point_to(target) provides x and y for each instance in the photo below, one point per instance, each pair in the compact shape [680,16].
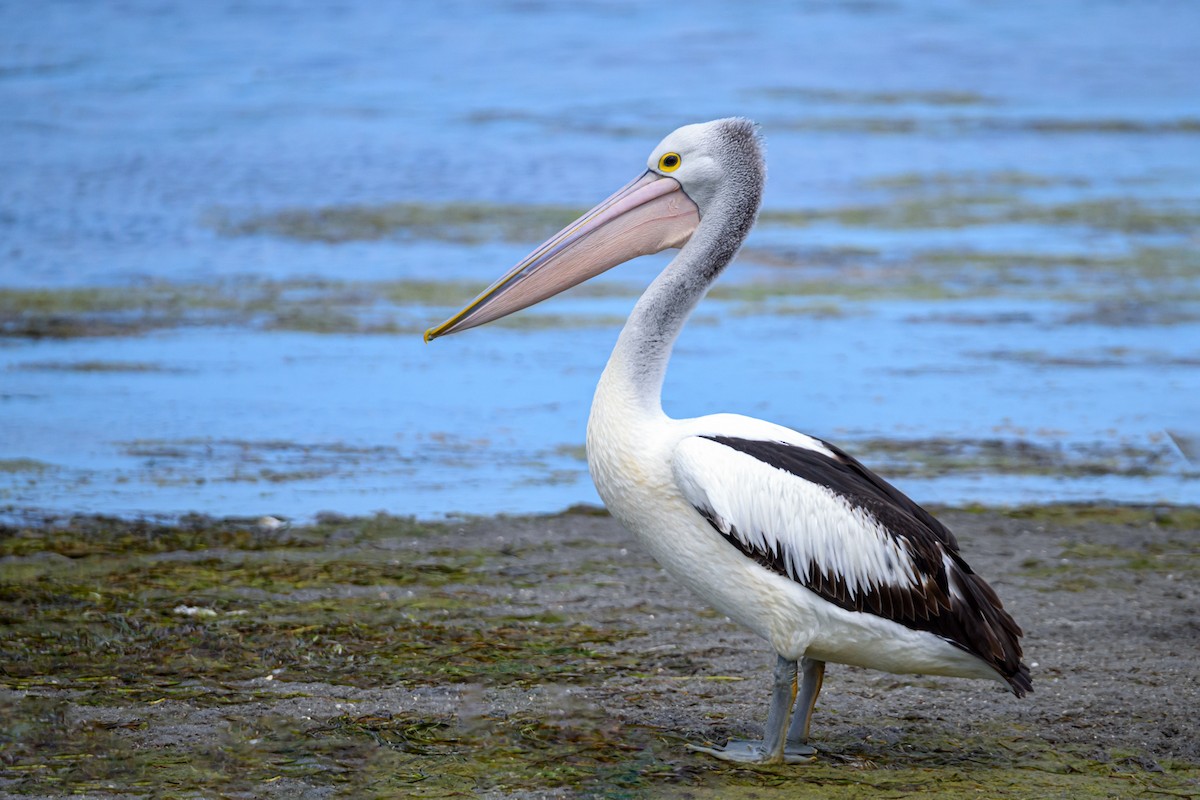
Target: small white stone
[195,611]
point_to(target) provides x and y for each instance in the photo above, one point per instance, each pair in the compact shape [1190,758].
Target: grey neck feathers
[645,343]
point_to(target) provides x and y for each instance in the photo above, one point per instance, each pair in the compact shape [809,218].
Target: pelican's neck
[638,364]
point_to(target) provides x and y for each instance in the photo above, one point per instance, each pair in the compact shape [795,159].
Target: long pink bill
[650,214]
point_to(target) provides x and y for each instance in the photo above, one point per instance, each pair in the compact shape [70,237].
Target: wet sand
[550,657]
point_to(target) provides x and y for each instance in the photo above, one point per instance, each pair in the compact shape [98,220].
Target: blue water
[125,130]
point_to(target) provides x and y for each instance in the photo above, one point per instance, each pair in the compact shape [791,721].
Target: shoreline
[13,516]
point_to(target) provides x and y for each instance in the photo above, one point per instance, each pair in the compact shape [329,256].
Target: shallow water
[976,266]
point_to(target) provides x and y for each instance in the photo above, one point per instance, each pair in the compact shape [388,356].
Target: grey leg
[812,674]
[771,749]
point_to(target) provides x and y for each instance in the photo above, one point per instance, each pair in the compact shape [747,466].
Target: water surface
[223,226]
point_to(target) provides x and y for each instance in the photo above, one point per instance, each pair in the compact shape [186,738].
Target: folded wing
[806,510]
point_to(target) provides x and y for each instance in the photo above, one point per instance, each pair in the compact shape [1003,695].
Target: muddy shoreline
[550,657]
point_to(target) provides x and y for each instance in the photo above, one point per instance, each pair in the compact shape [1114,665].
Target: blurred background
[224,226]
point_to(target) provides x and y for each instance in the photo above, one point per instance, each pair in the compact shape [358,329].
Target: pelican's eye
[669,162]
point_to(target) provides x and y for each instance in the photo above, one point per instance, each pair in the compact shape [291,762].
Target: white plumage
[772,510]
[780,531]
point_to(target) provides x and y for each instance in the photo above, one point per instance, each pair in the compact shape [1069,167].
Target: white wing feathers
[802,524]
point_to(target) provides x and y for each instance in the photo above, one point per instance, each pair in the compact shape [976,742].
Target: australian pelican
[784,533]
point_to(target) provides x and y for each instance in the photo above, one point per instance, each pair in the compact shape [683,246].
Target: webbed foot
[746,751]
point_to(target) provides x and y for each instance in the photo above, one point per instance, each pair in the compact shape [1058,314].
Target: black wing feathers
[971,618]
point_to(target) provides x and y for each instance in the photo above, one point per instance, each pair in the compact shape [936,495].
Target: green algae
[963,210]
[577,750]
[396,308]
[1101,357]
[1116,125]
[461,223]
[933,457]
[1081,566]
[153,604]
[339,603]
[30,465]
[946,97]
[80,300]
[1143,262]
[814,310]
[958,181]
[792,256]
[952,205]
[1123,215]
[540,321]
[1167,517]
[153,655]
[961,116]
[110,311]
[1148,285]
[95,366]
[580,752]
[188,460]
[48,753]
[456,293]
[361,756]
[908,287]
[575,452]
[307,320]
[77,537]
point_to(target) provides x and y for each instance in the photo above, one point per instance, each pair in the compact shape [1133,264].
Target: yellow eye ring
[669,162]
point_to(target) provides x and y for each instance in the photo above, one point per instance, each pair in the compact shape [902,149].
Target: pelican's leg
[812,673]
[771,749]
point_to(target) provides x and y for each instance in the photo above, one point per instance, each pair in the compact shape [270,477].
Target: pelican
[782,532]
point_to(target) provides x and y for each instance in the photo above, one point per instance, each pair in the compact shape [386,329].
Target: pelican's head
[657,210]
